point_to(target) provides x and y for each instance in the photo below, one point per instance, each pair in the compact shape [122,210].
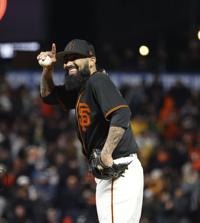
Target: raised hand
[47,58]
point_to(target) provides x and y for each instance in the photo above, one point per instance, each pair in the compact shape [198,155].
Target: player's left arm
[115,110]
[118,124]
[114,136]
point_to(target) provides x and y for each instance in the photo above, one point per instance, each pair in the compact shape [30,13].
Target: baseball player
[102,118]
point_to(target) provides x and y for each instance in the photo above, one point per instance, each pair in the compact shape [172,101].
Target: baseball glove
[100,171]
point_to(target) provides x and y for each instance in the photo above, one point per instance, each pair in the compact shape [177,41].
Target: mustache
[72,66]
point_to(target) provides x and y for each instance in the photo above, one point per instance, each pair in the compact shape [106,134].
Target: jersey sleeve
[121,118]
[107,95]
[59,96]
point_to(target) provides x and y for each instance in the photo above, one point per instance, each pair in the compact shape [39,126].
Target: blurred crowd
[167,129]
[174,56]
[44,177]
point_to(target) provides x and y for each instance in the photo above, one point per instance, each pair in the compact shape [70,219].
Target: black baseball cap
[77,46]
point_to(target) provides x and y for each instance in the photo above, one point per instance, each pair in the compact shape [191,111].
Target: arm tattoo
[114,136]
[46,83]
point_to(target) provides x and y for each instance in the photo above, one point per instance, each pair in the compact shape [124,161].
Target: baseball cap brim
[60,55]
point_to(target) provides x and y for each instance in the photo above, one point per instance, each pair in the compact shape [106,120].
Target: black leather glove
[100,171]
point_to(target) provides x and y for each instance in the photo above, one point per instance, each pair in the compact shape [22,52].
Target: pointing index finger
[53,49]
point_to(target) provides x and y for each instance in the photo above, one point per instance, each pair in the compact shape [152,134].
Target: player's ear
[92,61]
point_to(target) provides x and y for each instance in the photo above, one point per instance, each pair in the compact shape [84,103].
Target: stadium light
[6,51]
[144,50]
[198,34]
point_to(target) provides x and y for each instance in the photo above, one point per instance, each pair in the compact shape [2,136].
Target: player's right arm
[51,93]
[46,82]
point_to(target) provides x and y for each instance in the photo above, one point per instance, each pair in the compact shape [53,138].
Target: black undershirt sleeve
[59,96]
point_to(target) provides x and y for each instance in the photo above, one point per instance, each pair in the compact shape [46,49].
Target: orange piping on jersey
[112,206]
[77,117]
[114,109]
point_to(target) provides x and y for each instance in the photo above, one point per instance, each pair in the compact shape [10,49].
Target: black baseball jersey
[94,106]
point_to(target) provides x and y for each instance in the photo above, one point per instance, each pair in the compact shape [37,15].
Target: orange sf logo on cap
[3,6]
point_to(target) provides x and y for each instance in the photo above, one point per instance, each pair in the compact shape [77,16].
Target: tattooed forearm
[114,136]
[46,83]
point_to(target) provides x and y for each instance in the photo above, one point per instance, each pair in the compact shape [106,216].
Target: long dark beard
[76,82]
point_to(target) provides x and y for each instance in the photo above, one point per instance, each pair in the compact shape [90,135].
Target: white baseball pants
[120,201]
